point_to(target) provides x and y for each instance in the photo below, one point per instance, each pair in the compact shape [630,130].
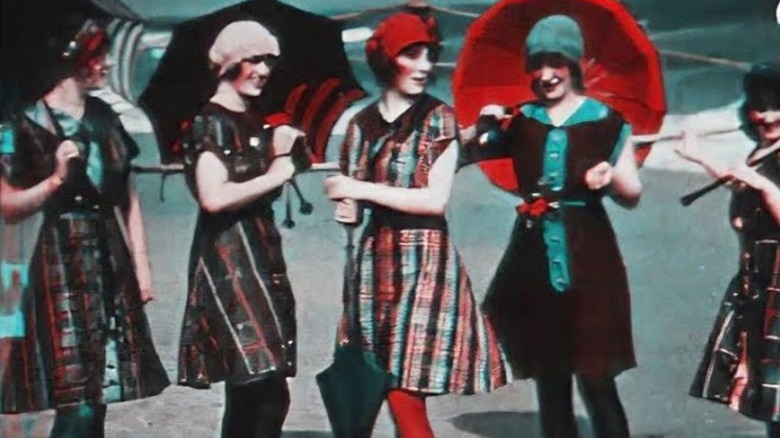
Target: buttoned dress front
[559,298]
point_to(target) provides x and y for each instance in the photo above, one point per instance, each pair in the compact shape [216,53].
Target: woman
[239,323]
[417,312]
[741,364]
[560,298]
[88,341]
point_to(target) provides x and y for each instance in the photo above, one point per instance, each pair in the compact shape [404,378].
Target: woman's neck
[560,110]
[68,96]
[394,103]
[228,97]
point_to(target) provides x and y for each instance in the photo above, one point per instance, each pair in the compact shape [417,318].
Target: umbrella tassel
[304,206]
[288,220]
[163,178]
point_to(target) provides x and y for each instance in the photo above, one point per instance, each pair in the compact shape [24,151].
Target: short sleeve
[199,136]
[625,133]
[352,158]
[444,129]
[20,165]
[131,147]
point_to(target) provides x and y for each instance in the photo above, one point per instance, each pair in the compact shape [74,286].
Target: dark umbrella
[313,80]
[34,35]
[621,68]
[354,386]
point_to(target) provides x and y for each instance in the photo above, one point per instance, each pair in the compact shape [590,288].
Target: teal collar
[590,110]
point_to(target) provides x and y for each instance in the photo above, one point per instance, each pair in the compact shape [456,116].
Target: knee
[597,386]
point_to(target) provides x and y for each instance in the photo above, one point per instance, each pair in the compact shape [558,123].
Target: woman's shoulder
[98,110]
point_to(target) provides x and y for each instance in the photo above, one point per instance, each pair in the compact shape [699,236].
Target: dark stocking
[556,411]
[256,410]
[604,408]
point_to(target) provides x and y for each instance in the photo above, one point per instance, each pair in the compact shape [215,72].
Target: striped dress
[239,322]
[87,338]
[416,308]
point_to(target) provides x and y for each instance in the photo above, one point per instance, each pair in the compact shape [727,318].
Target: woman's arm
[17,204]
[485,140]
[626,188]
[137,234]
[217,194]
[770,192]
[431,200]
[690,151]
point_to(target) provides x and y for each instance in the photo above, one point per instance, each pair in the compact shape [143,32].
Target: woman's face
[253,74]
[414,68]
[767,124]
[551,78]
[95,74]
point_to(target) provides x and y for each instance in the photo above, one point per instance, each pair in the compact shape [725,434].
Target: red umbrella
[621,65]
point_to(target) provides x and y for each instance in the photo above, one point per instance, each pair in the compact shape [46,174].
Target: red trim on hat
[89,47]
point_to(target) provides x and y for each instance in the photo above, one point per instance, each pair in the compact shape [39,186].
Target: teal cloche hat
[558,34]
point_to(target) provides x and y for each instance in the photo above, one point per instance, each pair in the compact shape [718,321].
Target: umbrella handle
[288,220]
[690,198]
[350,297]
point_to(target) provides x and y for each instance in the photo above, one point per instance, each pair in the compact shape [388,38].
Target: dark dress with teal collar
[559,298]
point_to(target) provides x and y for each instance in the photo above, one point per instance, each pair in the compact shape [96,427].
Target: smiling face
[253,74]
[767,124]
[552,78]
[414,65]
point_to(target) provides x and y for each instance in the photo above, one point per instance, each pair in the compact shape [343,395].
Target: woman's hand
[750,178]
[145,287]
[66,151]
[599,176]
[341,187]
[346,211]
[284,137]
[690,149]
[284,166]
[492,110]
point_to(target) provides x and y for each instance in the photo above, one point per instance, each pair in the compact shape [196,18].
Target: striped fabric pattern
[239,321]
[417,310]
[83,291]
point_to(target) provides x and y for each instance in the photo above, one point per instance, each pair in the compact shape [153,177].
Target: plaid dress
[740,366]
[239,322]
[87,337]
[416,308]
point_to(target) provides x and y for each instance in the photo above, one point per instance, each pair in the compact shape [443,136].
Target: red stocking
[411,416]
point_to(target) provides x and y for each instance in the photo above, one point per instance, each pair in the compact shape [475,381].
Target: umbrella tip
[356,35]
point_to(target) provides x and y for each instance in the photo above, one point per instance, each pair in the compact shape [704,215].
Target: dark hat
[556,34]
[42,47]
[762,86]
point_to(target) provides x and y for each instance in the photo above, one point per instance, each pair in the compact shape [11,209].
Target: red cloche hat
[399,31]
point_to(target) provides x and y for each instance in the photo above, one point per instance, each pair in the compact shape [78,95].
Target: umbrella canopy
[34,35]
[621,66]
[313,80]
